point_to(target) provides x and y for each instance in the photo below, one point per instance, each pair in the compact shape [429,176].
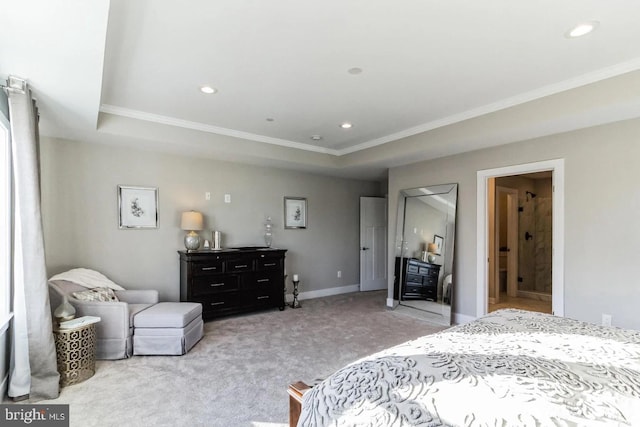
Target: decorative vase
[64,311]
[192,241]
[268,234]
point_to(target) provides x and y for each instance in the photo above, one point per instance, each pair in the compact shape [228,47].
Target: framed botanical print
[295,212]
[439,241]
[137,207]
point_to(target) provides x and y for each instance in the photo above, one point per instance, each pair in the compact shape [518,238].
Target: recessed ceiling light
[582,29]
[208,89]
[354,70]
[270,119]
[316,137]
[346,125]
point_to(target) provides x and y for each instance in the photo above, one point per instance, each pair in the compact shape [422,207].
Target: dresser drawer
[429,271]
[263,280]
[266,262]
[266,298]
[413,290]
[214,284]
[215,305]
[204,268]
[414,279]
[238,265]
[412,268]
[430,281]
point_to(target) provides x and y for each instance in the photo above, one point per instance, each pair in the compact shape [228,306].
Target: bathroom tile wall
[543,244]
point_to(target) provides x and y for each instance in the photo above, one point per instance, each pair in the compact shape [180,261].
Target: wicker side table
[75,353]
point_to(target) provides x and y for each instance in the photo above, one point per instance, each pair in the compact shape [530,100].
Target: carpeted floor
[238,374]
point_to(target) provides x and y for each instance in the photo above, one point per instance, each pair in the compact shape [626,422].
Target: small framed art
[137,207]
[439,241]
[295,212]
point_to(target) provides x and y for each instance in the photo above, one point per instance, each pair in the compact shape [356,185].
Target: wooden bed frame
[296,391]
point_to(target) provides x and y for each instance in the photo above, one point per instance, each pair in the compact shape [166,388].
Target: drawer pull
[215,285]
[271,264]
[264,297]
[241,266]
[209,268]
[262,280]
[218,303]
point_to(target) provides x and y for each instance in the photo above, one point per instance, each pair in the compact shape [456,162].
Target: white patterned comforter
[509,368]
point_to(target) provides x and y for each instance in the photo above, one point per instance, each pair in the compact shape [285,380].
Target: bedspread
[509,368]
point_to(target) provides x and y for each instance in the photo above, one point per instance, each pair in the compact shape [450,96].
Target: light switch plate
[227,198]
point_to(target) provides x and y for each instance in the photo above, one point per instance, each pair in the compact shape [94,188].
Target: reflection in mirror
[424,250]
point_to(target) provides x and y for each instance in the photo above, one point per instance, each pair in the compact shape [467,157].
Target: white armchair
[115,330]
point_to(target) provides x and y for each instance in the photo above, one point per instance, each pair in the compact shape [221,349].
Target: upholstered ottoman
[167,328]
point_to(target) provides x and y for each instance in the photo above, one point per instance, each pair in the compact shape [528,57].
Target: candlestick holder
[295,303]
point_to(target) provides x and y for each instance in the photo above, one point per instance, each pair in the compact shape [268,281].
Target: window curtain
[32,370]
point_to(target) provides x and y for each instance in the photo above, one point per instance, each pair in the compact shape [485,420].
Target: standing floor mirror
[424,251]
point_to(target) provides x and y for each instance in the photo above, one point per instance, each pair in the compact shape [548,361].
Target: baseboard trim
[325,292]
[459,319]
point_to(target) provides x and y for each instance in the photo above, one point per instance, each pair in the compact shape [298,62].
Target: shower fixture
[530,195]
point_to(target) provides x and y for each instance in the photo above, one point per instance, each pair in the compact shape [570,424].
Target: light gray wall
[421,222]
[79,202]
[602,210]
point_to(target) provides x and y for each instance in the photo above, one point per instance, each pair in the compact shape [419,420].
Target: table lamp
[432,248]
[191,222]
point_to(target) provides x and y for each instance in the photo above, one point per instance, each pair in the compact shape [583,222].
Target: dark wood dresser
[419,279]
[231,281]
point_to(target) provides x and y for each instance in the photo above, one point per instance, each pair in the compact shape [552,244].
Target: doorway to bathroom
[486,260]
[521,245]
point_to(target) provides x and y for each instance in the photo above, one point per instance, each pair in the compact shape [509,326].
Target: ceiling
[130,72]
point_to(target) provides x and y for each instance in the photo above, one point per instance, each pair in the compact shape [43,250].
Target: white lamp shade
[191,221]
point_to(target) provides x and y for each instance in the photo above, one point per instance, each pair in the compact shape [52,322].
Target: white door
[373,243]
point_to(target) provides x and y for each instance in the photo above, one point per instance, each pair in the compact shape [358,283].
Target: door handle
[365,249]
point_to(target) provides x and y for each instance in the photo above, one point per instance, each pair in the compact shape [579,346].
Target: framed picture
[295,212]
[137,207]
[439,241]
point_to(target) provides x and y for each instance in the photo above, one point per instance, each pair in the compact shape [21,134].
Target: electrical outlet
[207,196]
[339,274]
[606,320]
[227,198]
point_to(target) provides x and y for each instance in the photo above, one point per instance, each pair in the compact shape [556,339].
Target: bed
[508,368]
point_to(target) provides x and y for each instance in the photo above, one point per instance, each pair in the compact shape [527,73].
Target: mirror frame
[448,194]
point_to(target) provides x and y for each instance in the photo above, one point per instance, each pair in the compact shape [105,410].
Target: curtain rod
[15,83]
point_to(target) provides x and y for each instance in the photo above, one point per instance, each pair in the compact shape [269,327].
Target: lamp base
[192,241]
[431,258]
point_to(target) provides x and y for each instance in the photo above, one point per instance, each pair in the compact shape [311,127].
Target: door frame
[556,167]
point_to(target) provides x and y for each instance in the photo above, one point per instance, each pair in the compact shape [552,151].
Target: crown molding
[171,121]
[583,80]
[513,101]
